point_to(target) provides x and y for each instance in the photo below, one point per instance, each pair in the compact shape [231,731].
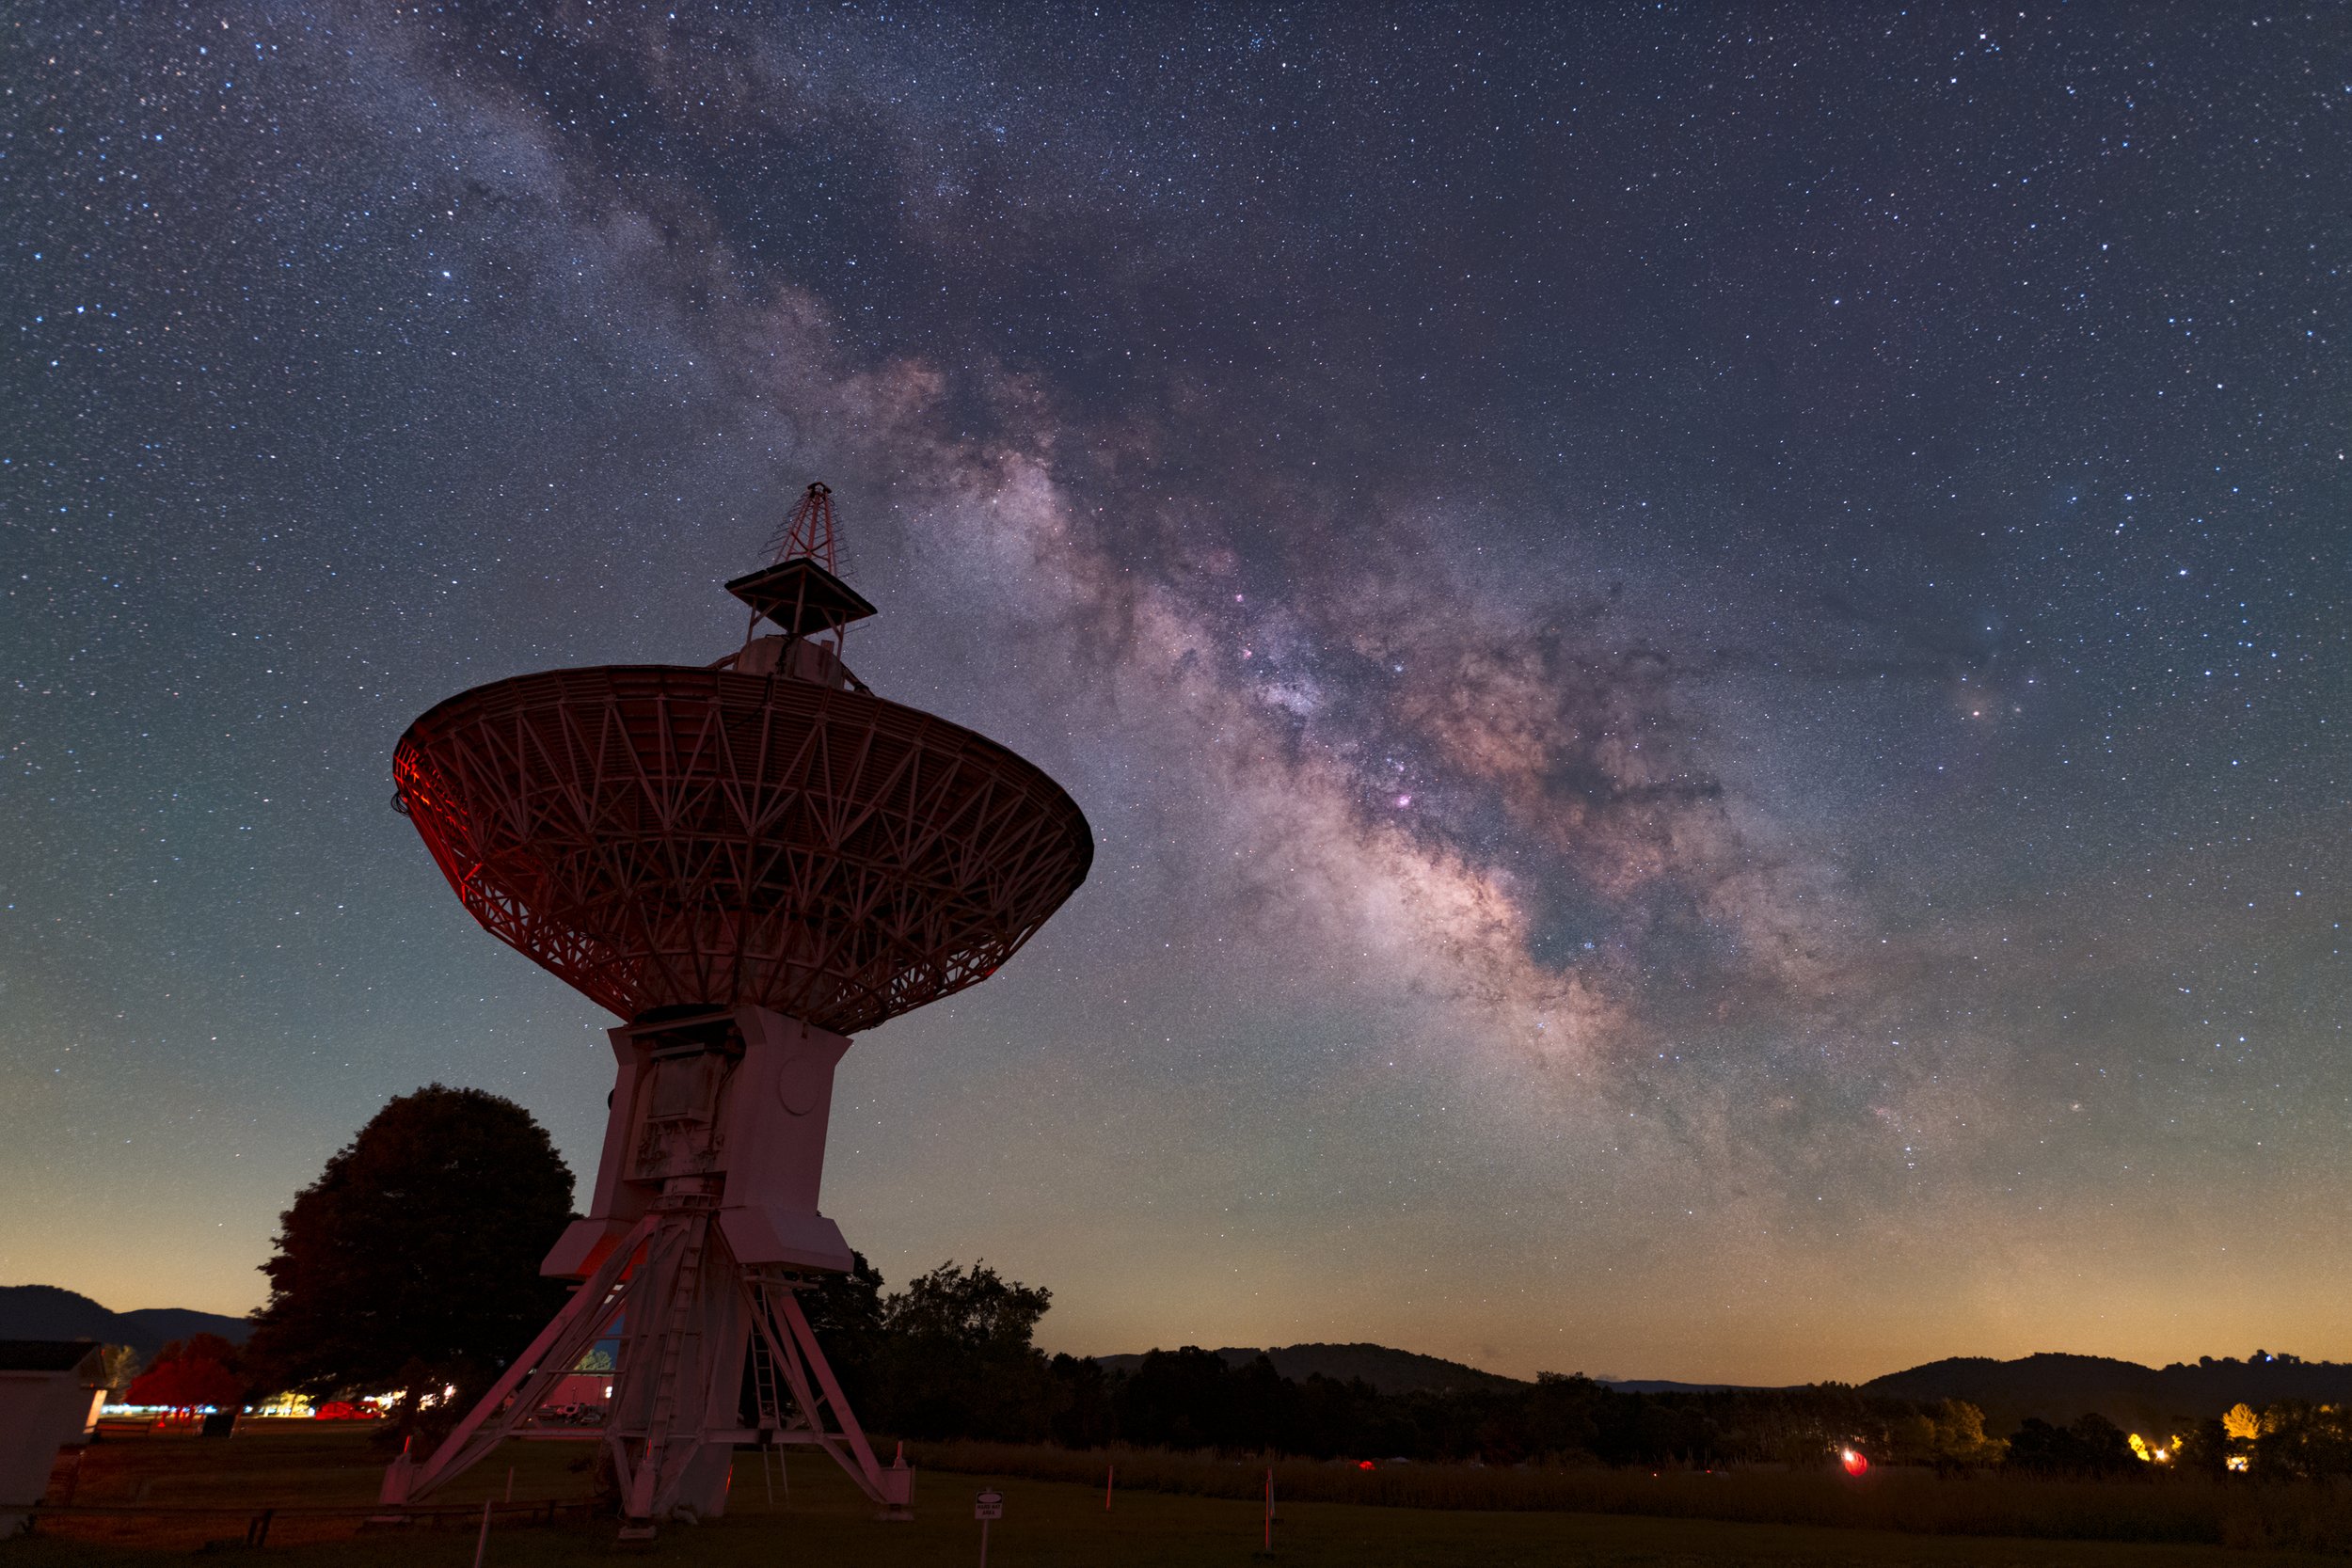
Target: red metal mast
[807,535]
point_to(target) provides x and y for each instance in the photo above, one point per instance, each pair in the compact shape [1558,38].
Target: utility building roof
[47,1355]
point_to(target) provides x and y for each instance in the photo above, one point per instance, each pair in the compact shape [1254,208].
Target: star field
[1708,651]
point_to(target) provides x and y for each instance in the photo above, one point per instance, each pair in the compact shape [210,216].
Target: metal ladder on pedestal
[767,1402]
[677,1330]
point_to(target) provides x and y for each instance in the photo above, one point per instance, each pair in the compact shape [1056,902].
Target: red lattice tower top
[807,535]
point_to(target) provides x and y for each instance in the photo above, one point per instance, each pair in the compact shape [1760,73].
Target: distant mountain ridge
[2139,1399]
[1392,1372]
[51,1312]
[2057,1387]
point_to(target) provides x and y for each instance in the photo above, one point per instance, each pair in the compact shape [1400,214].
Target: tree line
[952,1356]
[412,1264]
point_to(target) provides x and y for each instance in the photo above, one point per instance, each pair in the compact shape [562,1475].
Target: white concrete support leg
[816,1391]
[533,1375]
[703,1227]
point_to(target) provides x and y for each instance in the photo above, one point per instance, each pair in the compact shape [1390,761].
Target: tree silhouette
[1174,1398]
[2092,1446]
[413,1261]
[845,1311]
[197,1371]
[958,1358]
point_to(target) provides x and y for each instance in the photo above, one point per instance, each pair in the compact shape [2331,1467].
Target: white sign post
[987,1506]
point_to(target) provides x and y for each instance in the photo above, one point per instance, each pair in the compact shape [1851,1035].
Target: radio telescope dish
[662,837]
[748,861]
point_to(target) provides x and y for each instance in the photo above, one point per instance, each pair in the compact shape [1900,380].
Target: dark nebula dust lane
[1707,653]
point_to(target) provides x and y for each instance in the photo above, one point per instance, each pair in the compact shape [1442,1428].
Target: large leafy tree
[413,1261]
[956,1358]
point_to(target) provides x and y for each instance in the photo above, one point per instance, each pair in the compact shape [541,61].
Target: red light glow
[1853,1462]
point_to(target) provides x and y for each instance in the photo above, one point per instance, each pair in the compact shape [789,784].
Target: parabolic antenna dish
[662,837]
[748,861]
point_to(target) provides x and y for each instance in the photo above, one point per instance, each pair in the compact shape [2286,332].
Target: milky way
[1707,657]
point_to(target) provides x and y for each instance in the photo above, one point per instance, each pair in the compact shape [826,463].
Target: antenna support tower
[748,861]
[808,533]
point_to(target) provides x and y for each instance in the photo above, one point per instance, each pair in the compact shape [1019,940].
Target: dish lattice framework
[661,836]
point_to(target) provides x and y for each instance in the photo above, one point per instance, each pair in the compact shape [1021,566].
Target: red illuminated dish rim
[661,836]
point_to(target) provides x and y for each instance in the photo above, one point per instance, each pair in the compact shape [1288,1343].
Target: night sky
[1706,647]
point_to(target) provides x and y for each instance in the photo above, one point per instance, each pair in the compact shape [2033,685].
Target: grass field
[191,1492]
[2177,1509]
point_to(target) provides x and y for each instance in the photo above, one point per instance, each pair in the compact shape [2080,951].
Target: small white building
[49,1393]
